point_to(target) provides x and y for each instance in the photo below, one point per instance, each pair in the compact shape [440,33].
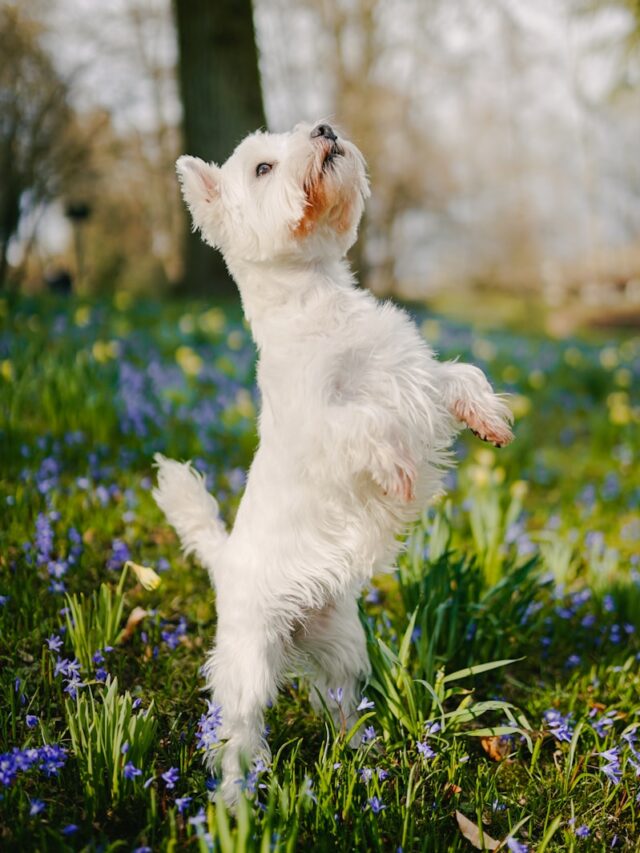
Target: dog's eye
[263,169]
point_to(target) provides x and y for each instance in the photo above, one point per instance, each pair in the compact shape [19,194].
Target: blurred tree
[39,148]
[222,102]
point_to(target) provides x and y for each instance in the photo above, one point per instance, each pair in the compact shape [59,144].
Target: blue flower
[198,819]
[69,829]
[559,726]
[516,846]
[369,734]
[336,695]
[208,725]
[425,750]
[365,774]
[31,720]
[37,806]
[54,642]
[182,803]
[131,771]
[611,768]
[365,704]
[171,776]
[583,831]
[376,805]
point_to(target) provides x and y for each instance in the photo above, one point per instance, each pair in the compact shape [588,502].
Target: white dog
[356,420]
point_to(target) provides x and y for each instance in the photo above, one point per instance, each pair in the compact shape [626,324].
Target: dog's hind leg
[333,640]
[242,672]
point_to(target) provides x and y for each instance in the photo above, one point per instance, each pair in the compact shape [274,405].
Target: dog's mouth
[332,154]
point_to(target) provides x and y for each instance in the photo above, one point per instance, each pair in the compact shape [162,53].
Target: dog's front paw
[491,425]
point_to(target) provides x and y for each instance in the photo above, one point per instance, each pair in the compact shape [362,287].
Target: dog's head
[297,195]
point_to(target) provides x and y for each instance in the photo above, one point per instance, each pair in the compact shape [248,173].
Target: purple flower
[69,829]
[336,695]
[611,768]
[425,750]
[559,726]
[3,600]
[516,846]
[198,819]
[365,774]
[365,704]
[368,734]
[37,806]
[54,642]
[131,771]
[73,685]
[182,803]
[31,720]
[171,776]
[583,831]
[207,734]
[44,539]
[376,805]
[119,555]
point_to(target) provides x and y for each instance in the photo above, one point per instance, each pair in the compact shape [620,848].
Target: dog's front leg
[469,397]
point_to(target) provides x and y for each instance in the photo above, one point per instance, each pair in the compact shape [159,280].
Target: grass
[505,648]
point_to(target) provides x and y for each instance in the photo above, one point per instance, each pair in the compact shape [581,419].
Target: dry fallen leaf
[472,833]
[496,747]
[135,617]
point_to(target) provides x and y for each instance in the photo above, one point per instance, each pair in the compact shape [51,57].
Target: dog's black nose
[324,130]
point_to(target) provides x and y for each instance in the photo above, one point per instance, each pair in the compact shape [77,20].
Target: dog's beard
[328,195]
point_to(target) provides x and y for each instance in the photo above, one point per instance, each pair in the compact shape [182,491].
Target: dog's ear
[200,183]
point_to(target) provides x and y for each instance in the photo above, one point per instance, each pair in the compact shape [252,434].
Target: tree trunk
[222,102]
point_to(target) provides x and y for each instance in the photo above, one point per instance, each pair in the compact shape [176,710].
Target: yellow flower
[519,405]
[212,321]
[573,356]
[6,370]
[186,324]
[123,299]
[510,373]
[484,349]
[485,457]
[431,330]
[104,350]
[479,476]
[189,360]
[623,377]
[609,358]
[245,403]
[82,316]
[147,577]
[519,490]
[536,379]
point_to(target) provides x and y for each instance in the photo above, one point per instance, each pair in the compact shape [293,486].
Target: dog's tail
[190,509]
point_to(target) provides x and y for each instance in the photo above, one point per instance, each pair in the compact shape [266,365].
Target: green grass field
[505,649]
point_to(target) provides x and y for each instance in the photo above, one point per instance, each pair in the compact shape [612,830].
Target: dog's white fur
[355,427]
